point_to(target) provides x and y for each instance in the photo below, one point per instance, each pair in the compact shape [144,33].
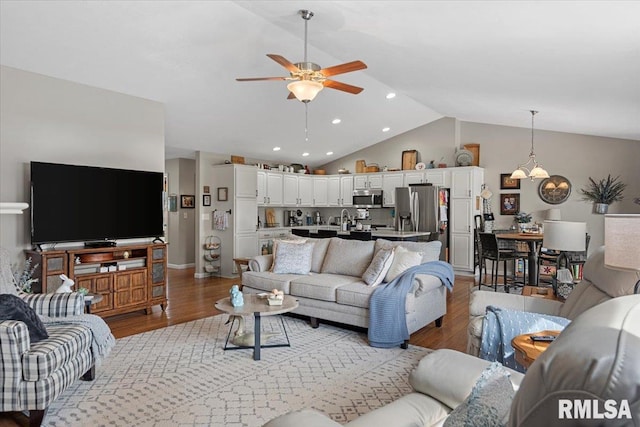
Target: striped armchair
[35,374]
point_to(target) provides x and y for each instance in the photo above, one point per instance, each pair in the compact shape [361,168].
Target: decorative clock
[555,189]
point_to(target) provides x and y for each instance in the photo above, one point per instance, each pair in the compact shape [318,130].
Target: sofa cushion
[594,358]
[377,270]
[356,294]
[614,283]
[319,252]
[349,257]
[411,410]
[430,250]
[449,375]
[291,239]
[320,286]
[402,260]
[267,281]
[46,356]
[293,258]
[12,307]
[489,401]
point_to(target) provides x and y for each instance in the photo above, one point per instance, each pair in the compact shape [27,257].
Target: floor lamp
[621,247]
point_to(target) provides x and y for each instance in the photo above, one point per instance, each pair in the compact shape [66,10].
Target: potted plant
[522,218]
[603,192]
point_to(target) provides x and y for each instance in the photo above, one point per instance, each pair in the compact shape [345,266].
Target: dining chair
[490,250]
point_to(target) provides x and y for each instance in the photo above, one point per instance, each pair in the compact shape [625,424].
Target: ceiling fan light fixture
[305,90]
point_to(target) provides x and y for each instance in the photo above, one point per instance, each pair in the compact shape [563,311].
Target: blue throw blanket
[501,325]
[387,318]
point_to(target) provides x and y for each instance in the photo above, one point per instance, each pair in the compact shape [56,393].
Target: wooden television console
[129,277]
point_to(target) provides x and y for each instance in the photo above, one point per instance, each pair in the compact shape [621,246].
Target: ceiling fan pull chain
[306,122]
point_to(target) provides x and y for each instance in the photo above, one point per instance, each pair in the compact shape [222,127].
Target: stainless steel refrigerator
[423,207]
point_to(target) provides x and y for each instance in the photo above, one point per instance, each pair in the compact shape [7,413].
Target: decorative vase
[601,208]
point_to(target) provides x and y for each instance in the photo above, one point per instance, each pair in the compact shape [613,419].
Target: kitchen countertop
[388,232]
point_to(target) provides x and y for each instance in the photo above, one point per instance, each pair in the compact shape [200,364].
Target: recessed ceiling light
[305,154]
[391,95]
[276,148]
[329,153]
[336,121]
[387,129]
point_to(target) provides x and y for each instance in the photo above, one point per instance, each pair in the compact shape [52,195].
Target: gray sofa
[594,359]
[335,291]
[599,284]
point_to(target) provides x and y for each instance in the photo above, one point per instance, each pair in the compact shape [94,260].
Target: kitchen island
[386,233]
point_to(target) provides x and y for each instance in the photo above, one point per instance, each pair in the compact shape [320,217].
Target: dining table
[532,239]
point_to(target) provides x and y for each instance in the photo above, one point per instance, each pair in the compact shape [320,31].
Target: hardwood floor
[192,299]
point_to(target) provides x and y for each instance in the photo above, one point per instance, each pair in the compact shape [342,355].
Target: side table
[95,298]
[527,351]
[239,263]
[539,292]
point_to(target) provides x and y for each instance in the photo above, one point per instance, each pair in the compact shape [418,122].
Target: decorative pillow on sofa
[294,239]
[348,257]
[293,258]
[402,259]
[378,268]
[488,404]
[14,308]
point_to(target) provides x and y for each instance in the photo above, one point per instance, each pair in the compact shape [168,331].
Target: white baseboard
[181,266]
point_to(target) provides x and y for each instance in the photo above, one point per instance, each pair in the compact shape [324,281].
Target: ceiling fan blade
[284,62]
[342,86]
[251,79]
[343,68]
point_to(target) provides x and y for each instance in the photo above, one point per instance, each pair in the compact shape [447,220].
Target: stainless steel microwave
[367,198]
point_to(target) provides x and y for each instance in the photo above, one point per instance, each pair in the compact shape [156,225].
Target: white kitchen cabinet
[346,190]
[245,245]
[320,191]
[261,188]
[245,182]
[269,188]
[437,177]
[367,182]
[297,190]
[333,191]
[464,203]
[390,182]
[340,190]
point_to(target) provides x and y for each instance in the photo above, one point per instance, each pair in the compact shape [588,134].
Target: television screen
[82,203]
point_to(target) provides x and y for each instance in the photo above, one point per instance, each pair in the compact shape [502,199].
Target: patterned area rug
[181,376]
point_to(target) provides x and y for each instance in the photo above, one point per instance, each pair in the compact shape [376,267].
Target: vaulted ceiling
[577,62]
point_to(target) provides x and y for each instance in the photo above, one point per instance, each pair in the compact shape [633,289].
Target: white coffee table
[257,306]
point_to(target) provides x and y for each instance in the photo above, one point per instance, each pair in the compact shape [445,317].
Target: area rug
[181,376]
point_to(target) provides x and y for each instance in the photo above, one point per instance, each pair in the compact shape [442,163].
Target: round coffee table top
[254,303]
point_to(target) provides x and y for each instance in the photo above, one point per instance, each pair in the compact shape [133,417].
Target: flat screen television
[71,203]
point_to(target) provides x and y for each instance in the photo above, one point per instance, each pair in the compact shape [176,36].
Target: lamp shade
[621,237]
[305,90]
[565,235]
[553,214]
[518,174]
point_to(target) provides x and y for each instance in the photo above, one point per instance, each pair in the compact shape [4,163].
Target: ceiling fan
[307,78]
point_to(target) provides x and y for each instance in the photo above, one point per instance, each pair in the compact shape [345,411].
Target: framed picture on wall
[509,203]
[508,183]
[223,194]
[173,203]
[206,200]
[187,201]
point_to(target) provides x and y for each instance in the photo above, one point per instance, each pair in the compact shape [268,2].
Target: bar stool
[489,250]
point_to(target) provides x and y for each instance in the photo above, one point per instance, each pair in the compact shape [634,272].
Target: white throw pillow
[293,258]
[402,260]
[381,263]
[293,239]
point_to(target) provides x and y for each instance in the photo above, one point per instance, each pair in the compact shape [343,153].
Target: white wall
[502,148]
[182,223]
[51,120]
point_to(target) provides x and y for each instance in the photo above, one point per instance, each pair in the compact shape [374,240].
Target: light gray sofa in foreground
[595,359]
[599,284]
[334,289]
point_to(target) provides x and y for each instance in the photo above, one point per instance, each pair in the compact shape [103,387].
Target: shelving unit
[129,278]
[212,255]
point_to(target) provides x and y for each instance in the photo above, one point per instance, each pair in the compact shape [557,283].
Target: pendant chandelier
[522,171]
